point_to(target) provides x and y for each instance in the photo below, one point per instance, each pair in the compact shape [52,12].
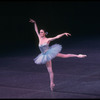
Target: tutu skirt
[51,53]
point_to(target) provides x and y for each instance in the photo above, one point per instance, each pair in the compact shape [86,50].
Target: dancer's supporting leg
[51,74]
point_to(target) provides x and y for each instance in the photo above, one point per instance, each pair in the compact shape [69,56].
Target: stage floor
[75,78]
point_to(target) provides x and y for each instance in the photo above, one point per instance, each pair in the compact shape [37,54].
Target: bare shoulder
[49,38]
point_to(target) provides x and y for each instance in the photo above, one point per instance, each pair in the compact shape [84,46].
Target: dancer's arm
[35,26]
[59,36]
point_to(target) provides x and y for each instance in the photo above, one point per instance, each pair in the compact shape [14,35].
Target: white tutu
[50,53]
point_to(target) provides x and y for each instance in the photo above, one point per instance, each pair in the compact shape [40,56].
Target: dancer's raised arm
[35,26]
[58,36]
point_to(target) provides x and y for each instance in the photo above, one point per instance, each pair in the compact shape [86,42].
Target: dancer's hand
[32,21]
[67,34]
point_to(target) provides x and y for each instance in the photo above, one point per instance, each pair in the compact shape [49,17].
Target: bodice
[44,47]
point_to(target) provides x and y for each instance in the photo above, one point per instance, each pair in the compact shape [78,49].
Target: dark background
[80,18]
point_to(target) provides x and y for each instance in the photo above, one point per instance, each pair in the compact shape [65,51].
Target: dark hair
[44,31]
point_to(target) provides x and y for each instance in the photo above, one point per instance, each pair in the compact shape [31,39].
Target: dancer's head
[43,32]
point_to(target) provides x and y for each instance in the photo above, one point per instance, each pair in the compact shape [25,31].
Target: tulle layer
[48,55]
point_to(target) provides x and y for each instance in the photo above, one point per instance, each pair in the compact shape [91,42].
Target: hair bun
[46,33]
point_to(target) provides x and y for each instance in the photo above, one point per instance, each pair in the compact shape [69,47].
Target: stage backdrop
[80,18]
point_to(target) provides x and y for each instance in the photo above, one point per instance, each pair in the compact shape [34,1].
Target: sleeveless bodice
[44,47]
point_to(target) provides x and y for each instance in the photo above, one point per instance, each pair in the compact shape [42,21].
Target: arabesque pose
[50,52]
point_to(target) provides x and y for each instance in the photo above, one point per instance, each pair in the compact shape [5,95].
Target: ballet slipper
[81,56]
[52,86]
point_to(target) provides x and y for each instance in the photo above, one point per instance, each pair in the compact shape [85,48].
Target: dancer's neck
[43,37]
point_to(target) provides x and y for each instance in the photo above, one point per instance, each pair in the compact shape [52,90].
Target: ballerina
[50,52]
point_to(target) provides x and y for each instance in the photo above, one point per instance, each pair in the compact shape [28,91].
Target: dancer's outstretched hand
[67,34]
[32,21]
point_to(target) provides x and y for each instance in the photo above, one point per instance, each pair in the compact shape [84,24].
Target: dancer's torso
[43,45]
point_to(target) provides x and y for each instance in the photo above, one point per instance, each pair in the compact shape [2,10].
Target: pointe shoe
[52,86]
[81,56]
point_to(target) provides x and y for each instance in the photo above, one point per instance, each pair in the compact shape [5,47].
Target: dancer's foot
[52,85]
[81,56]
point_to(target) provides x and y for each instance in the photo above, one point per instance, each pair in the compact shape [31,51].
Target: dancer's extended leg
[70,55]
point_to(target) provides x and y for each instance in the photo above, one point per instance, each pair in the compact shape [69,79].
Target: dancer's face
[42,33]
